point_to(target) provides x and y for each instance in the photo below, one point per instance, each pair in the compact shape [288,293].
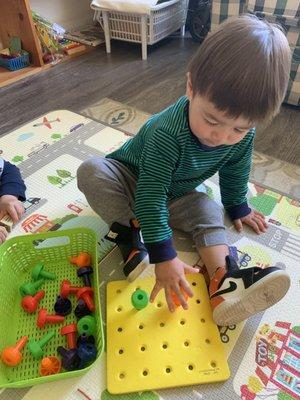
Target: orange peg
[12,356]
[176,300]
[50,365]
[82,260]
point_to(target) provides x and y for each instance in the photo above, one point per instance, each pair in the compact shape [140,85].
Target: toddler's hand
[255,219]
[3,234]
[170,277]
[12,206]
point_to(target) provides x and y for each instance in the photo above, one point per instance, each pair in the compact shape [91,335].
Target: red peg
[86,294]
[30,303]
[66,288]
[44,318]
[82,260]
[70,332]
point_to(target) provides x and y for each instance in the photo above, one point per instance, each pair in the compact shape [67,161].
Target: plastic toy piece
[87,353]
[82,260]
[81,309]
[66,288]
[30,303]
[84,273]
[62,306]
[45,318]
[70,358]
[30,288]
[86,325]
[139,299]
[36,348]
[50,365]
[86,294]
[38,272]
[70,332]
[176,300]
[12,356]
[84,338]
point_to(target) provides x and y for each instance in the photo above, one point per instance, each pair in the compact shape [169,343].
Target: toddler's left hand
[255,220]
[12,206]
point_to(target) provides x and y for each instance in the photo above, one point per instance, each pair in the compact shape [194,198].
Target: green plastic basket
[17,257]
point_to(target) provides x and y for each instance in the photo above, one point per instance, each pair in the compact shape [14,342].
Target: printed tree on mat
[130,396]
[17,159]
[63,174]
[56,136]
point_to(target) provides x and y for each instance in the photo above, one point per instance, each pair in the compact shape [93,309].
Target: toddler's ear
[189,89]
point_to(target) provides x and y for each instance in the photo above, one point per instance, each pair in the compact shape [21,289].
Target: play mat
[263,353]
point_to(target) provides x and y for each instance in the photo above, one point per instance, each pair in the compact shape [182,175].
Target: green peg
[38,272]
[139,299]
[31,288]
[36,347]
[86,325]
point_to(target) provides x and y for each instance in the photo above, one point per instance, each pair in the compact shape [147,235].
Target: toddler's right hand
[170,276]
[3,234]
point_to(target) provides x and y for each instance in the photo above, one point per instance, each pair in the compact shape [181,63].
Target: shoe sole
[138,270]
[260,296]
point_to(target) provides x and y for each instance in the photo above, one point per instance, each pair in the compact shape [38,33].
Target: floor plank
[148,85]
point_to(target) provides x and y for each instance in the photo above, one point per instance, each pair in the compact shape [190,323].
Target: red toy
[30,303]
[70,331]
[44,318]
[82,260]
[66,288]
[86,294]
[12,356]
[50,365]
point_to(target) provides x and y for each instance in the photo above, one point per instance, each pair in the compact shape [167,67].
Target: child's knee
[86,171]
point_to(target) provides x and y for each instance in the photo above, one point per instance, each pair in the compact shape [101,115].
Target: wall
[68,13]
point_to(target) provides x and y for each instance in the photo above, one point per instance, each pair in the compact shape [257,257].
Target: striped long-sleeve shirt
[169,161]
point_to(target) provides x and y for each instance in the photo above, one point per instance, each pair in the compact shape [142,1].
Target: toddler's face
[211,126]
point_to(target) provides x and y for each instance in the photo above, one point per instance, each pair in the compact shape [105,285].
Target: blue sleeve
[12,182]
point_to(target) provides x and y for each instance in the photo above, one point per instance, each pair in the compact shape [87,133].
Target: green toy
[36,347]
[31,288]
[38,272]
[139,299]
[86,325]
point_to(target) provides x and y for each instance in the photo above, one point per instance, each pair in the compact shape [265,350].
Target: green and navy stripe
[169,162]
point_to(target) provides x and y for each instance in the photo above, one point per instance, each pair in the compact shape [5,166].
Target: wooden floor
[148,85]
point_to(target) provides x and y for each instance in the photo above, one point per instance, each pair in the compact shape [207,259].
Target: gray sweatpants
[110,187]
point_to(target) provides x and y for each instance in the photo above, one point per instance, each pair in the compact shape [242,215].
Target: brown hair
[243,68]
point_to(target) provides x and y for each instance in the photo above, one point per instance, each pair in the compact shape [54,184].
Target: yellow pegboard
[155,349]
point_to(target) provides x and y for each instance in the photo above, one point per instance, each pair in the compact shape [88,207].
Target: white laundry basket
[146,29]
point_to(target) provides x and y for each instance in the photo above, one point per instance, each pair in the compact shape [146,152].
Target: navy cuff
[238,211]
[14,189]
[161,251]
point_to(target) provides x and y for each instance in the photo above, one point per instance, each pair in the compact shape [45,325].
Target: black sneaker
[236,294]
[133,250]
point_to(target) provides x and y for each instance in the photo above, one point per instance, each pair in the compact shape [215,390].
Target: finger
[169,299]
[156,289]
[20,209]
[260,224]
[3,234]
[238,225]
[180,296]
[13,213]
[2,213]
[186,287]
[190,270]
[254,226]
[259,213]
